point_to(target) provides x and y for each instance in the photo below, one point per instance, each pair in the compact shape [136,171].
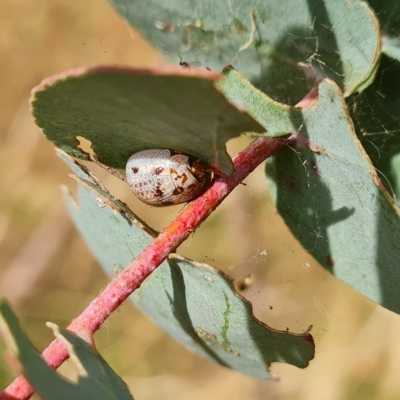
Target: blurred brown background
[47,273]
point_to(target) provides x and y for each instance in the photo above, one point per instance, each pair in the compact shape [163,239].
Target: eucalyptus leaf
[195,303]
[218,324]
[269,41]
[332,199]
[277,118]
[96,378]
[125,110]
[112,232]
[327,189]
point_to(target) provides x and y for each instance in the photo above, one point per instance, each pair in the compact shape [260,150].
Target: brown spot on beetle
[159,192]
[176,191]
[184,178]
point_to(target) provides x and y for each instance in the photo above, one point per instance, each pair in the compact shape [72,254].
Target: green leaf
[198,305]
[96,379]
[327,190]
[124,110]
[277,118]
[329,194]
[269,41]
[96,215]
[195,303]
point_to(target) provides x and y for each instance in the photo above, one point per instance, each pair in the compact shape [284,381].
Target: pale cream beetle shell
[160,178]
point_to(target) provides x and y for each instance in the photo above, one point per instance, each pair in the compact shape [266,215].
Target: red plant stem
[145,263]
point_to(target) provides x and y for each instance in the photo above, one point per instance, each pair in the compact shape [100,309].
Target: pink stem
[145,263]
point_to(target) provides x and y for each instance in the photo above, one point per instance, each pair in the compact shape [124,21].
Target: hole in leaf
[85,145]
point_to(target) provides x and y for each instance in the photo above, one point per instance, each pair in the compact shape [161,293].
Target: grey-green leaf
[326,188]
[195,303]
[330,196]
[112,232]
[277,118]
[96,379]
[125,110]
[269,41]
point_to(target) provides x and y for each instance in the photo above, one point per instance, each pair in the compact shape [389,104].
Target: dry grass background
[48,274]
